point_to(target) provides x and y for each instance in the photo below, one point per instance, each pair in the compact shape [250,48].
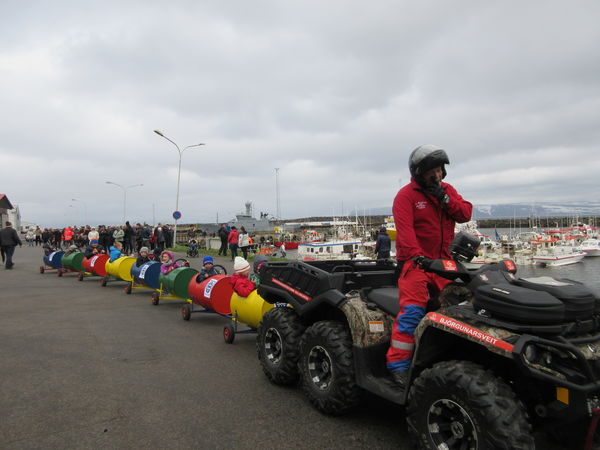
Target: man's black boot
[400,377]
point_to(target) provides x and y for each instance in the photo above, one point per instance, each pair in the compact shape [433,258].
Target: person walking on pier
[223,235]
[233,242]
[9,239]
[383,245]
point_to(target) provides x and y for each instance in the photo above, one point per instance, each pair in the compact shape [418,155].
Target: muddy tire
[459,404]
[278,345]
[327,367]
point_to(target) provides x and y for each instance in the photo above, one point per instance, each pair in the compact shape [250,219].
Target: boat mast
[278,204]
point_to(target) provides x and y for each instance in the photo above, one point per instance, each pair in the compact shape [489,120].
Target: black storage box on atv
[519,304]
[579,301]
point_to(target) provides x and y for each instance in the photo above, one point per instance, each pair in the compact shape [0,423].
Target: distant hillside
[581,209]
[509,210]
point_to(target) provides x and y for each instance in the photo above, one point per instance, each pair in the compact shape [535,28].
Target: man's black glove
[422,262]
[439,193]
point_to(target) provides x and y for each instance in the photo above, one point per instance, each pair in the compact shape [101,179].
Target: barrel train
[212,295]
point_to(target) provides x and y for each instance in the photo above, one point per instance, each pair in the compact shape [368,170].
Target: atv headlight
[531,353]
[537,355]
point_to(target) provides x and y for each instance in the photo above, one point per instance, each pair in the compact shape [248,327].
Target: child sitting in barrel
[167,259]
[240,282]
[93,249]
[48,248]
[71,249]
[115,251]
[258,263]
[142,257]
[208,269]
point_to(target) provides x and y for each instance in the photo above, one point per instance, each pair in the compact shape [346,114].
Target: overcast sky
[336,94]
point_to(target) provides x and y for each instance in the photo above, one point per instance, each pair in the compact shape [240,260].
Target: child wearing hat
[239,280]
[142,257]
[167,259]
[93,249]
[208,269]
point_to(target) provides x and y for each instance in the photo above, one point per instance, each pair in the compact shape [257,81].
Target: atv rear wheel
[278,345]
[459,404]
[327,367]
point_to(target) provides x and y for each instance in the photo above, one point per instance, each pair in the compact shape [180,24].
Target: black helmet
[427,157]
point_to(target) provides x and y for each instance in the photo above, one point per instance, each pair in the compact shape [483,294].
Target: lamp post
[178,176]
[84,209]
[124,195]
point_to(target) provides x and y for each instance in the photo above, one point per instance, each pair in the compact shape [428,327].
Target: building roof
[5,202]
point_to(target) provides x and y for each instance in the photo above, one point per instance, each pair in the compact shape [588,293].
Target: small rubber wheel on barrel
[155,298]
[128,289]
[103,282]
[229,333]
[42,269]
[186,312]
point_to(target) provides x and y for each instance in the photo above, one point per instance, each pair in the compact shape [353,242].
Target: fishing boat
[291,241]
[390,227]
[317,251]
[557,256]
[591,247]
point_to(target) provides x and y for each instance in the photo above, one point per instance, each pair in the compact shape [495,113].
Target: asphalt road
[85,366]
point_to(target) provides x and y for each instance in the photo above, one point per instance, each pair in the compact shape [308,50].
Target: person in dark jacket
[128,239]
[159,235]
[105,240]
[425,213]
[57,237]
[169,235]
[142,257]
[9,239]
[383,244]
[93,249]
[223,234]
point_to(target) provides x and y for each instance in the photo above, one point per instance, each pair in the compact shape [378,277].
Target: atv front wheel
[327,367]
[278,345]
[459,404]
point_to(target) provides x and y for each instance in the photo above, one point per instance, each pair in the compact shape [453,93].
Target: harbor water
[587,271]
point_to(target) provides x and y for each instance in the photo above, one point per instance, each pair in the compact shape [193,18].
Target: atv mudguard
[495,340]
[368,326]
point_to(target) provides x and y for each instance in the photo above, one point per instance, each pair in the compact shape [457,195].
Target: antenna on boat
[278,204]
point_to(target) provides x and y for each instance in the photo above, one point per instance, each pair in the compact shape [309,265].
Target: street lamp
[178,176]
[84,209]
[124,195]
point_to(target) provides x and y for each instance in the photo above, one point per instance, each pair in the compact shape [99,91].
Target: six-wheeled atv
[499,356]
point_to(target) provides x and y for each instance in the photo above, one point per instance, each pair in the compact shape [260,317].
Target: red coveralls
[423,228]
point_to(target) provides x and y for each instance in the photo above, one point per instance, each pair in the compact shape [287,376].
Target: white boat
[591,247]
[557,256]
[316,251]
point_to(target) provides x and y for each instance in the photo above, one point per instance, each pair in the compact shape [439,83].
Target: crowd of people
[132,238]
